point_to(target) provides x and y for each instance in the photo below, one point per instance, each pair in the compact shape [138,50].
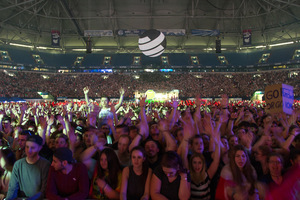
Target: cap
[64,153]
[80,129]
[36,139]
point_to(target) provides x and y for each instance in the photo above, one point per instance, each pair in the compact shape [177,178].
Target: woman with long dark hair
[238,179]
[170,180]
[136,178]
[106,181]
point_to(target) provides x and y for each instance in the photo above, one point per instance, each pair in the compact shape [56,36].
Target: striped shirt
[202,190]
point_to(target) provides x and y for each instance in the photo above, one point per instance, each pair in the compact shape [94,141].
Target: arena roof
[30,22]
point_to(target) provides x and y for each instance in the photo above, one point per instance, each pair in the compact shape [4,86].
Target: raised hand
[175,102]
[224,101]
[163,125]
[51,120]
[24,107]
[122,91]
[43,122]
[198,101]
[143,102]
[188,129]
[207,124]
[233,115]
[86,90]
[60,119]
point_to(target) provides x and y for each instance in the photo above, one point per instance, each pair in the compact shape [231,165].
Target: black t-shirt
[169,189]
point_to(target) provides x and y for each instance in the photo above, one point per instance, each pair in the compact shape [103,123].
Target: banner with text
[97,33]
[201,32]
[134,32]
[279,98]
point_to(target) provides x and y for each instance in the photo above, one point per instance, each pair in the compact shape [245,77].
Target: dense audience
[101,150]
[27,84]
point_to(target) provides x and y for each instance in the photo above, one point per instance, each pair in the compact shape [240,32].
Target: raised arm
[144,121]
[197,116]
[183,148]
[43,128]
[48,130]
[286,144]
[170,140]
[216,155]
[86,97]
[23,109]
[144,127]
[2,113]
[172,116]
[122,91]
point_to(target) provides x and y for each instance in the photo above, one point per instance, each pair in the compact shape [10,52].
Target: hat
[36,139]
[64,153]
[6,118]
[80,129]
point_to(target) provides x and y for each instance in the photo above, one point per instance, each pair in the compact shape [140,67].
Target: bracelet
[184,179]
[140,134]
[225,107]
[96,148]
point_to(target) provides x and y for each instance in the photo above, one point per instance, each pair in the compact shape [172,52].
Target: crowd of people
[101,150]
[243,85]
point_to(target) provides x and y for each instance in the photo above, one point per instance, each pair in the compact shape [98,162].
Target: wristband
[140,134]
[225,108]
[184,179]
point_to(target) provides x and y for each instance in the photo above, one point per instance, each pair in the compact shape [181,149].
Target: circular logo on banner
[150,94]
[152,43]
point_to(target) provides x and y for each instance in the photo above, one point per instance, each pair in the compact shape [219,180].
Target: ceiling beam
[114,22]
[295,17]
[74,21]
[15,5]
[8,18]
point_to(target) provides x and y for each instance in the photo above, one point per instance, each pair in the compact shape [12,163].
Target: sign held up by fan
[279,98]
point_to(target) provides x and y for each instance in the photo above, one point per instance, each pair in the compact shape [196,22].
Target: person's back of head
[171,159]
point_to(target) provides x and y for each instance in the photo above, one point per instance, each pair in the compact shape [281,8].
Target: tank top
[136,184]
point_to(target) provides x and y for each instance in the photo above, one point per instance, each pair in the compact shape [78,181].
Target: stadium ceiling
[30,22]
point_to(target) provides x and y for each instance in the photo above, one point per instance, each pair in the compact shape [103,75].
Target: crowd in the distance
[99,150]
[27,84]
